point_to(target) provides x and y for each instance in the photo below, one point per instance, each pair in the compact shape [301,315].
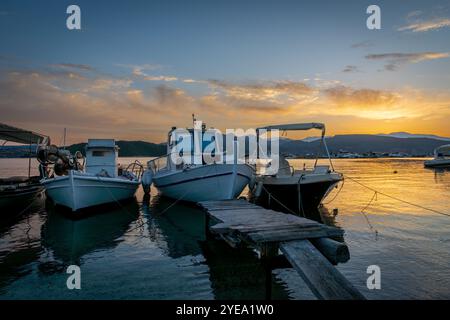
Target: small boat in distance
[18,192]
[196,182]
[287,189]
[78,185]
[441,158]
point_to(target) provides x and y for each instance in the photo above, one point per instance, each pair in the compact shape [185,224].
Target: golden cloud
[425,26]
[116,107]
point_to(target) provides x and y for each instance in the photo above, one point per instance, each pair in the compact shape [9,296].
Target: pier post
[207,222]
[269,251]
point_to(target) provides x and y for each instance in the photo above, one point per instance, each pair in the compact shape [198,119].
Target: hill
[130,148]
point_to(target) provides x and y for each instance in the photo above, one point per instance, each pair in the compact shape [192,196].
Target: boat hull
[20,197]
[78,191]
[437,163]
[287,195]
[204,183]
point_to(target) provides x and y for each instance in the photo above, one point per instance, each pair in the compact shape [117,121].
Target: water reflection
[70,239]
[19,243]
[233,273]
[181,226]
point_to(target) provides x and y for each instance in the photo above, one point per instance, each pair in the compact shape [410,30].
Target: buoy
[147,179]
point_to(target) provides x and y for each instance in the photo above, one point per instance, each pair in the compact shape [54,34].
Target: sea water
[156,249]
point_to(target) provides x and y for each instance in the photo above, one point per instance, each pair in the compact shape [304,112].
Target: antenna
[64,139]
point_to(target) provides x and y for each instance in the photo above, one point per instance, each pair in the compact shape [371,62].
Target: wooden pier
[304,244]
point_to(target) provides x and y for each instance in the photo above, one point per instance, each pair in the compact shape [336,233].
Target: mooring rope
[397,199]
[363,211]
[279,202]
[336,195]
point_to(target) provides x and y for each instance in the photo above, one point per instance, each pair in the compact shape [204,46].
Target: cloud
[414,13]
[138,70]
[191,81]
[362,98]
[83,67]
[362,44]
[350,68]
[424,26]
[95,105]
[275,91]
[394,60]
[160,78]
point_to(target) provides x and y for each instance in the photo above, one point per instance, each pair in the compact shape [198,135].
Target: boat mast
[64,139]
[29,160]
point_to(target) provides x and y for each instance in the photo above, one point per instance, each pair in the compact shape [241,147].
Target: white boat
[290,190]
[101,182]
[441,158]
[197,182]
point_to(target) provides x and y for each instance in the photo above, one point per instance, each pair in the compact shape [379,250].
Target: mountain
[415,145]
[406,135]
[362,143]
[130,148]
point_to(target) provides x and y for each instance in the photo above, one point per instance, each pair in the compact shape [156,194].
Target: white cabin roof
[101,143]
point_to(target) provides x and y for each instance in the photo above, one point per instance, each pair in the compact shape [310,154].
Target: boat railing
[158,163]
[162,162]
[135,168]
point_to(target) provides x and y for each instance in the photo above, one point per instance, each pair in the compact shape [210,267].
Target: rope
[336,195]
[300,200]
[170,206]
[162,212]
[374,197]
[279,202]
[398,199]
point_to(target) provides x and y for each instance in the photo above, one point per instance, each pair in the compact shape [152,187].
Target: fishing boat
[78,183]
[441,158]
[17,192]
[284,188]
[196,181]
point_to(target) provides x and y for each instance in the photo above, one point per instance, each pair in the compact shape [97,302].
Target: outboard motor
[147,179]
[62,160]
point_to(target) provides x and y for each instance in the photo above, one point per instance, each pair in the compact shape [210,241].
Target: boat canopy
[296,126]
[18,135]
[444,149]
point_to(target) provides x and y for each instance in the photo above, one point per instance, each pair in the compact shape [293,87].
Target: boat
[18,192]
[79,183]
[441,158]
[290,190]
[196,181]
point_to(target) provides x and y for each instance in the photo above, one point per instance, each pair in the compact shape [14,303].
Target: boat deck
[239,222]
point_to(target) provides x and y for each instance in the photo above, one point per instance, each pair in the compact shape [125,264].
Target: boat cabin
[101,157]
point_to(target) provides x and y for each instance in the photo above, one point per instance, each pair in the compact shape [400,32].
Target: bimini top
[296,126]
[442,149]
[18,135]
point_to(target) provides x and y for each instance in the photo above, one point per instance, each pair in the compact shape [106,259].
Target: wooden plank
[231,208]
[270,227]
[224,203]
[278,236]
[325,281]
[252,216]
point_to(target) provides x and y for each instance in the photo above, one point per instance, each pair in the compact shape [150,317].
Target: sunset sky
[137,68]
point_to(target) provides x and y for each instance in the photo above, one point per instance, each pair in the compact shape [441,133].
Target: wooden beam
[325,281]
[336,252]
